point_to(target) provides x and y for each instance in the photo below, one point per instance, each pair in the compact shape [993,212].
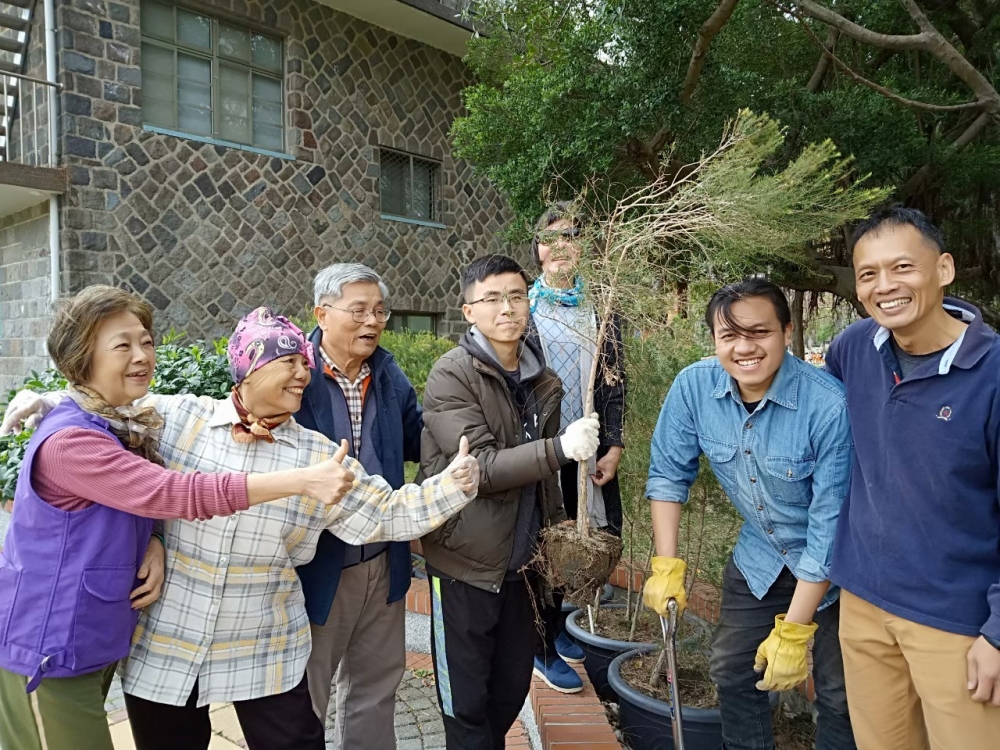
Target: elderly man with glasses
[355,594]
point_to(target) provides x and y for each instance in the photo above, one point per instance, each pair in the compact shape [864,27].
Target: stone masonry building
[212,155]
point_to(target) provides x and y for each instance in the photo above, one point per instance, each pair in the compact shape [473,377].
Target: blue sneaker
[558,675]
[568,650]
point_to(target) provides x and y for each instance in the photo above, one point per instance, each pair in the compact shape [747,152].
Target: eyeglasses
[517,299]
[548,236]
[361,316]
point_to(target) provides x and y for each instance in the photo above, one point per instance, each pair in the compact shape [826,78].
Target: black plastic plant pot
[600,651]
[646,723]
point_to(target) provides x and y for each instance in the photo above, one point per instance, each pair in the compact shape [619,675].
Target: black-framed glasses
[515,299]
[361,316]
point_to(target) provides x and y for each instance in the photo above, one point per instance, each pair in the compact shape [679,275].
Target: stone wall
[24,294]
[206,232]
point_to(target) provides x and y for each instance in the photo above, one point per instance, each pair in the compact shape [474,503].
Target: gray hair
[330,282]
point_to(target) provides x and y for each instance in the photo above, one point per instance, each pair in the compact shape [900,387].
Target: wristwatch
[992,641]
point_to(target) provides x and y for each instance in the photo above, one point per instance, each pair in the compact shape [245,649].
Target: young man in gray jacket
[495,389]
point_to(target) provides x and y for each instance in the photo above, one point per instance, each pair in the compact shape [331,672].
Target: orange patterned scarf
[251,428]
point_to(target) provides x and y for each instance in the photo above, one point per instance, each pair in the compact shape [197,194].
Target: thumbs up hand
[329,481]
[464,469]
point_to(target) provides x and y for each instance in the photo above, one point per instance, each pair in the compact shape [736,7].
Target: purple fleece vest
[65,576]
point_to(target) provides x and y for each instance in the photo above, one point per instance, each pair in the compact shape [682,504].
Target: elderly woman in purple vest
[78,563]
[231,624]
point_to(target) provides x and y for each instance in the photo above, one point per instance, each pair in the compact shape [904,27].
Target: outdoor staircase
[15,23]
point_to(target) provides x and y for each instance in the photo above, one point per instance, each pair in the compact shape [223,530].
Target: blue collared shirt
[786,467]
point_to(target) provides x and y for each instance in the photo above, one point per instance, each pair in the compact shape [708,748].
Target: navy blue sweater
[919,535]
[394,438]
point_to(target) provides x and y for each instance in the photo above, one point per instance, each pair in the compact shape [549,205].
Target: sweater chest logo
[944,413]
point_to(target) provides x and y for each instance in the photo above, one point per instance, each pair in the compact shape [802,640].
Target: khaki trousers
[367,639]
[906,684]
[65,713]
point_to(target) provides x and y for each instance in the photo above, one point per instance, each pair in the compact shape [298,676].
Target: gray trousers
[367,639]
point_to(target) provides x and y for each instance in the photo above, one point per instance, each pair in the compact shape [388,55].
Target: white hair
[330,282]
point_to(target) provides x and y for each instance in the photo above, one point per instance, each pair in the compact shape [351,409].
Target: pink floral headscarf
[261,337]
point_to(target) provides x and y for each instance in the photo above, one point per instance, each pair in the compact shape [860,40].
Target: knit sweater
[76,468]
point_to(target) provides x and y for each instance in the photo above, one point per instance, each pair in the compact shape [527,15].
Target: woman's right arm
[77,467]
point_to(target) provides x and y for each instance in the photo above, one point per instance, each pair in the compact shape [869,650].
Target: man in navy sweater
[355,594]
[917,552]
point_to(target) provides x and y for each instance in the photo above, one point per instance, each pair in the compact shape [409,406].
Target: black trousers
[744,622]
[285,721]
[483,645]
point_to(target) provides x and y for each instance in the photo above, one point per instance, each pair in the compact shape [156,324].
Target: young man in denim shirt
[776,433]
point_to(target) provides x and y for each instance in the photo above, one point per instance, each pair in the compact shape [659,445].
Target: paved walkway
[418,721]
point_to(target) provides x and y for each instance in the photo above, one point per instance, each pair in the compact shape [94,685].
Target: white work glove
[580,440]
[464,469]
[26,410]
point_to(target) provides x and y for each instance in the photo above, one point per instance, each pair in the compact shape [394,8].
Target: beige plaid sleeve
[374,512]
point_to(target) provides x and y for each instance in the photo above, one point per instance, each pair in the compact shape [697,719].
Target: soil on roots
[580,565]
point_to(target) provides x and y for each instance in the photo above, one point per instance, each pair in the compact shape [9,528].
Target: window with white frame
[210,77]
[409,186]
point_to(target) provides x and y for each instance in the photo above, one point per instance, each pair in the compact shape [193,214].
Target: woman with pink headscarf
[231,623]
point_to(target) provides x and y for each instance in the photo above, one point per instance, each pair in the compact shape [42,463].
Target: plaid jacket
[232,615]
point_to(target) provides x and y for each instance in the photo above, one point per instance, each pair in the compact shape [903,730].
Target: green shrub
[416,353]
[201,368]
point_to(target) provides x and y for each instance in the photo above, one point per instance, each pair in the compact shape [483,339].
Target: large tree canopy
[570,92]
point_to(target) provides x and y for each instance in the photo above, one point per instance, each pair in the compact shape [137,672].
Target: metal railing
[24,119]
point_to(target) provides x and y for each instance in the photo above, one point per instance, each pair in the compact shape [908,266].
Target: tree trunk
[798,321]
[681,296]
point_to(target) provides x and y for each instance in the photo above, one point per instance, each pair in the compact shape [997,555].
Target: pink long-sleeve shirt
[77,467]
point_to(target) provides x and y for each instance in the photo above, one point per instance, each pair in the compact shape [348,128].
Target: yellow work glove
[666,583]
[783,653]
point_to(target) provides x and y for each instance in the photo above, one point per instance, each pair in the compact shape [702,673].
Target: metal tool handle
[669,627]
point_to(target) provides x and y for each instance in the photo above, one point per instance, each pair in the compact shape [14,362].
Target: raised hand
[464,469]
[329,481]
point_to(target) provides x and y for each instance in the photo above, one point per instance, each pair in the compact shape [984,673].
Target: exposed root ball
[577,564]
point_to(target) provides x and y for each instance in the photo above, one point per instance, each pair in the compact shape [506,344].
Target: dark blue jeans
[744,622]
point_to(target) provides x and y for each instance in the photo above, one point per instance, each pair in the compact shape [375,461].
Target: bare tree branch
[919,178]
[860,33]
[816,81]
[708,30]
[943,50]
[963,25]
[912,103]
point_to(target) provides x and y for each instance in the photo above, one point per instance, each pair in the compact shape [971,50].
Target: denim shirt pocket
[722,457]
[791,479]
